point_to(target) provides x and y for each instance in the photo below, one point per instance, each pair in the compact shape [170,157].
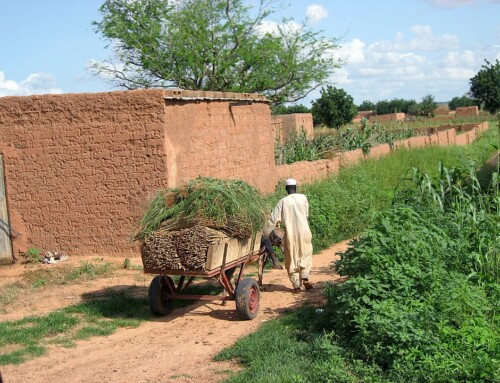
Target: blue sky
[392,48]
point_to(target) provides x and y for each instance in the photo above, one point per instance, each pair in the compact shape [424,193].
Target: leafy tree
[216,45]
[366,105]
[397,105]
[415,110]
[459,102]
[334,108]
[428,105]
[485,86]
[283,109]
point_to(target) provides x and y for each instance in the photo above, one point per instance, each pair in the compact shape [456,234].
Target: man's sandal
[307,285]
[296,290]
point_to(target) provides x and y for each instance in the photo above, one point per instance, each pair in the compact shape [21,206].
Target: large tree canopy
[485,86]
[217,45]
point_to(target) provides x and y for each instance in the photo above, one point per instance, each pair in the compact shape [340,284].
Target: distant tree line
[335,107]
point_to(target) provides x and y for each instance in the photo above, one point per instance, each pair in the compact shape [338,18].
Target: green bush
[421,301]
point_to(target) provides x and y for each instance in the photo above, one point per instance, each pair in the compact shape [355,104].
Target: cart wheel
[159,303]
[247,298]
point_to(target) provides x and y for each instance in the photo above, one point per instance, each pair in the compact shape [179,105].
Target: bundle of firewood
[181,223]
[184,249]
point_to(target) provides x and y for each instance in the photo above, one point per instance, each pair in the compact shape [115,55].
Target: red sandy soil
[176,348]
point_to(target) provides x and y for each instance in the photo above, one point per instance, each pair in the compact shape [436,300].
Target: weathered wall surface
[467,111]
[388,117]
[286,124]
[363,114]
[78,167]
[224,139]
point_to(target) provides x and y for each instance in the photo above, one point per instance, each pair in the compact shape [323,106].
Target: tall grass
[413,313]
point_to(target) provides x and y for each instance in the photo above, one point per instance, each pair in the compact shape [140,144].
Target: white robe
[292,211]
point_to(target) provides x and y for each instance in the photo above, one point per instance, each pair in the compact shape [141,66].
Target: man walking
[293,211]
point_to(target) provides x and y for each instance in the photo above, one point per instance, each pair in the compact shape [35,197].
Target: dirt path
[177,348]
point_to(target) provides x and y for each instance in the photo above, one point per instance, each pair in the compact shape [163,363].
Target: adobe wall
[442,111]
[363,114]
[285,124]
[388,117]
[467,111]
[308,171]
[219,138]
[78,167]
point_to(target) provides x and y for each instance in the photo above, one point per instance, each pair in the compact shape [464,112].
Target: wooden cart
[245,291]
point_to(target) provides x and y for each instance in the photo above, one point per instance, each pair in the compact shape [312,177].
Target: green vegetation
[422,300]
[231,206]
[67,273]
[212,45]
[29,337]
[397,105]
[283,109]
[298,147]
[326,143]
[33,255]
[485,86]
[334,108]
[460,102]
[43,277]
[343,205]
[423,293]
[425,108]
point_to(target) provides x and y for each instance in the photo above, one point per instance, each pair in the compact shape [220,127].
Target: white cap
[290,182]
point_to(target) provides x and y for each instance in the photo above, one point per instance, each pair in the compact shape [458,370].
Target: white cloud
[272,27]
[423,40]
[449,3]
[36,83]
[457,3]
[352,52]
[316,13]
[406,68]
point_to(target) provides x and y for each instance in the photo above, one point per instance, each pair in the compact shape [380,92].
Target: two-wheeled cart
[244,291]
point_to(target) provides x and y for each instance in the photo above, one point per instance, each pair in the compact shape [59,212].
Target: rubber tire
[248,299]
[159,304]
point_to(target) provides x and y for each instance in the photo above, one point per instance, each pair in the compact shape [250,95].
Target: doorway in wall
[5,243]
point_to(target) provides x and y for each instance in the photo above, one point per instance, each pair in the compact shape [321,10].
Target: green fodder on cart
[231,206]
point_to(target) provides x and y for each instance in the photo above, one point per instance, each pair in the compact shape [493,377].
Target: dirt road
[176,348]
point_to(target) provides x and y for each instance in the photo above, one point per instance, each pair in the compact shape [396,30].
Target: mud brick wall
[442,111]
[277,128]
[221,139]
[305,171]
[467,111]
[308,171]
[294,123]
[78,167]
[363,114]
[388,117]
